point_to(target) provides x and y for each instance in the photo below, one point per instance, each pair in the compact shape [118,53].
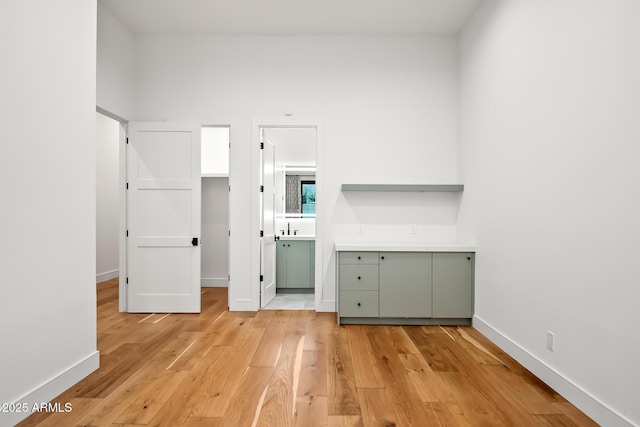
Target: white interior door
[268,241]
[163,218]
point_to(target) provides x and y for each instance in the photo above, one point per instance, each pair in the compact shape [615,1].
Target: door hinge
[229,189]
[261,278]
[127,140]
[262,145]
[127,186]
[126,280]
[127,233]
[261,233]
[229,233]
[262,188]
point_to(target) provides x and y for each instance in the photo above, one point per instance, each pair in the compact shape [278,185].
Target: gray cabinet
[295,264]
[453,284]
[405,287]
[405,284]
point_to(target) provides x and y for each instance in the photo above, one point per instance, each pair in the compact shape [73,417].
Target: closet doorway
[215,142]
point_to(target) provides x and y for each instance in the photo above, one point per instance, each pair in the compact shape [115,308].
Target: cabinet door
[298,265]
[281,264]
[405,284]
[453,285]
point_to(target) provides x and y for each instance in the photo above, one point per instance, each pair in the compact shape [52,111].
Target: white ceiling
[292,17]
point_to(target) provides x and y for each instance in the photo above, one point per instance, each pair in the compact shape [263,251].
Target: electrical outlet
[413,229]
[361,229]
[551,338]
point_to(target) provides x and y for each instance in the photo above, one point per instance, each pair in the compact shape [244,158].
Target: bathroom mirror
[296,192]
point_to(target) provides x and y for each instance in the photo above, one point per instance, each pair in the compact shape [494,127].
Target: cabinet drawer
[358,277]
[358,304]
[358,258]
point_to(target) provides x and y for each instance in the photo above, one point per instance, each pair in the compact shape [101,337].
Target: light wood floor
[286,368]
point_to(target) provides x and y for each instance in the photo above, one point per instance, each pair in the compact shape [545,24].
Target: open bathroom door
[268,241]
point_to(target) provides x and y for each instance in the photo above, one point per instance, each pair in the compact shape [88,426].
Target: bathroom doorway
[291,259]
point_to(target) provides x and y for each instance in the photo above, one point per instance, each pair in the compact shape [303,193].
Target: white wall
[115,66]
[215,229]
[388,107]
[47,166]
[107,198]
[550,95]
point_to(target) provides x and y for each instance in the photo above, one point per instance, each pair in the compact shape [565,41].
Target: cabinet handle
[289,245]
[469,258]
[359,277]
[359,257]
[359,304]
[381,257]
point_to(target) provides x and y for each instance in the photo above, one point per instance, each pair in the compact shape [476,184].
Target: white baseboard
[326,307]
[244,305]
[579,397]
[52,388]
[108,275]
[214,282]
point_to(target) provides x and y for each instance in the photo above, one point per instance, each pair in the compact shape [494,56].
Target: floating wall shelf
[404,187]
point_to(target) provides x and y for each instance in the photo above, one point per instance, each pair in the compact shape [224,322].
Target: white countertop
[404,247]
[296,237]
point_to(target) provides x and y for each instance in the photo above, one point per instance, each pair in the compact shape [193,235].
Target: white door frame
[320,305]
[122,282]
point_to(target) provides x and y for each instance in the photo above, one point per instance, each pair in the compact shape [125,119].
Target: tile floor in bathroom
[292,302]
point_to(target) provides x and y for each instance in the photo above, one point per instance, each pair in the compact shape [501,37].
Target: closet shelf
[215,175]
[404,187]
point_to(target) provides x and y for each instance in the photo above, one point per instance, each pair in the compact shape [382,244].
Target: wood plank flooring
[298,368]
